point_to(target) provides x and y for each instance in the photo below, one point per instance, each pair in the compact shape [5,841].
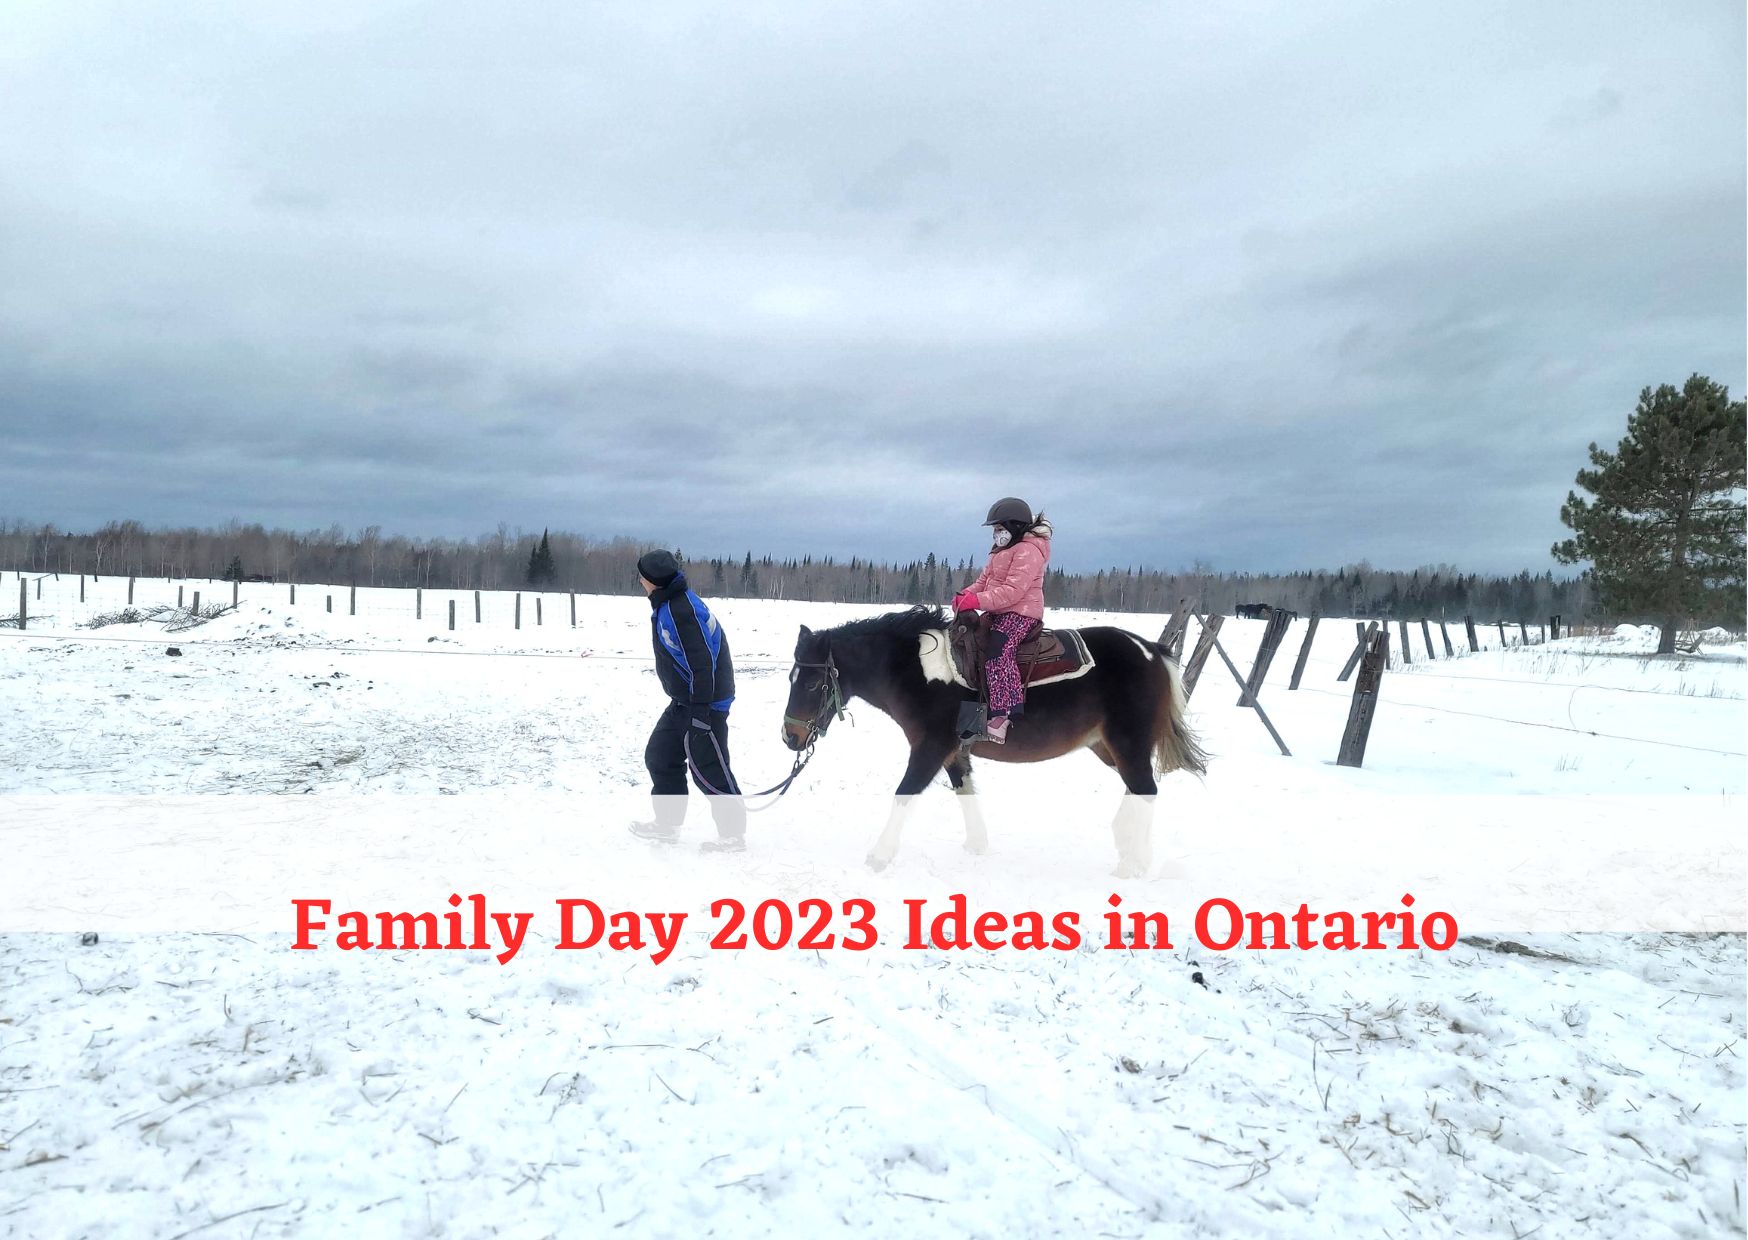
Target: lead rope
[774,791]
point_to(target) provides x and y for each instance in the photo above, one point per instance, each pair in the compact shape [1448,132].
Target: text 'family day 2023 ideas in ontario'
[816,925]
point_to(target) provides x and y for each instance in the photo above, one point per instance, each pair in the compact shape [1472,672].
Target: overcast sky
[1272,285]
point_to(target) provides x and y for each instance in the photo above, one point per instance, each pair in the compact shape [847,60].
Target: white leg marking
[886,847]
[976,834]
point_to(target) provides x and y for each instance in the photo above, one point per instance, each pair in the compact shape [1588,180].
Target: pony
[1128,709]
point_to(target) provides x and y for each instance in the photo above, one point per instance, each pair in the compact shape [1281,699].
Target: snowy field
[215,1085]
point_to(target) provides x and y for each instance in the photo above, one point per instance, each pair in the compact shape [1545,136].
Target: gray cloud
[1276,288]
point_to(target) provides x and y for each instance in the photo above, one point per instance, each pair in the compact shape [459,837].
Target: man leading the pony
[1011,589]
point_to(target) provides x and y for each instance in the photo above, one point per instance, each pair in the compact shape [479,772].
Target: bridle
[816,727]
[831,705]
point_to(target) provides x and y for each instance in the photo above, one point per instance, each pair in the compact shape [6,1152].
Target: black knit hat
[659,568]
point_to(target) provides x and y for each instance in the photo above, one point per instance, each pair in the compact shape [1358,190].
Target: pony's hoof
[877,863]
[977,848]
[1128,869]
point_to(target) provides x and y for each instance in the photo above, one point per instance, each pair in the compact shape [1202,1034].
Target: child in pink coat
[1011,588]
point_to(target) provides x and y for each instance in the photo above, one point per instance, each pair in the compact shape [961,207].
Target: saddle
[1047,655]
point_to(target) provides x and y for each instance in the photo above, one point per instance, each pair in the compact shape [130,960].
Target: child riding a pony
[1011,589]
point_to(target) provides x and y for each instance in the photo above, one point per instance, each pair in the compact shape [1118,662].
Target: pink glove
[965,601]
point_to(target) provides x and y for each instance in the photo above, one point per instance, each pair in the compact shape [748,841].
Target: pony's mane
[911,623]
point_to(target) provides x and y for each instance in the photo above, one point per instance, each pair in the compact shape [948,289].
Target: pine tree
[1664,529]
[235,571]
[541,569]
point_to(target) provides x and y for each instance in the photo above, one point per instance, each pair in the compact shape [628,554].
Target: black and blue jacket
[691,649]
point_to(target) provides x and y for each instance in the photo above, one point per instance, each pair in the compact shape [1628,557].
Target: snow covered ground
[1582,1084]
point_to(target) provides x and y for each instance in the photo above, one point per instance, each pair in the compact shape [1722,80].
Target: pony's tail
[1176,747]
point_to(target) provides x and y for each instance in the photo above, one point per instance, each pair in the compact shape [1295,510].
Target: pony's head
[815,696]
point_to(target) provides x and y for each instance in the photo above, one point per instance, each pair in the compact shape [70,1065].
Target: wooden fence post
[352,600]
[1426,632]
[518,609]
[538,610]
[452,615]
[130,591]
[1304,653]
[178,598]
[1265,655]
[330,604]
[476,606]
[1474,642]
[1365,702]
[1450,650]
[419,603]
[81,587]
[573,609]
[1192,671]
[1554,628]
[294,593]
[1365,632]
[1172,636]
[23,611]
[1402,627]
[196,602]
[1523,632]
[234,588]
[1504,641]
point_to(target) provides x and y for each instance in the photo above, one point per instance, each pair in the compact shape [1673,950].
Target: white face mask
[1003,537]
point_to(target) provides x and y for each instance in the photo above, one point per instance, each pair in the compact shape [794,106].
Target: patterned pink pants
[1002,671]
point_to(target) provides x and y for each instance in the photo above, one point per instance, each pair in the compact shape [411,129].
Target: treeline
[559,561]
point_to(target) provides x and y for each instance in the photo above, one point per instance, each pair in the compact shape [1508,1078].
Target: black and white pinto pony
[1128,709]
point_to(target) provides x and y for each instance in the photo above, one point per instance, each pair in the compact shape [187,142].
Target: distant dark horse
[1128,709]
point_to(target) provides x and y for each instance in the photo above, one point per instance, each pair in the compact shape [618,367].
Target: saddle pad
[1075,661]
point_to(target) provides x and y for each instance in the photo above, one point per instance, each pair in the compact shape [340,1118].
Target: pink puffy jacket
[1013,580]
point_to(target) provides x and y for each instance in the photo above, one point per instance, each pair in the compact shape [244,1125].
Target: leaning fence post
[1304,653]
[1504,641]
[1474,642]
[1402,626]
[1265,655]
[1365,702]
[1365,632]
[1523,632]
[1426,632]
[1248,698]
[1450,650]
[452,615]
[1204,647]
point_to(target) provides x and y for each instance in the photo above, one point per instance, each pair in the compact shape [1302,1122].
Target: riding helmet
[1010,509]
